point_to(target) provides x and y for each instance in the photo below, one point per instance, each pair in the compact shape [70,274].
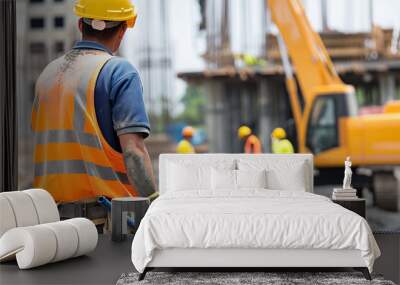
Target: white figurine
[347,174]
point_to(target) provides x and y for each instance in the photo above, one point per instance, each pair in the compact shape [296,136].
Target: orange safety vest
[72,159]
[252,145]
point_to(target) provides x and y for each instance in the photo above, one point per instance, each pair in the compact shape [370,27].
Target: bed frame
[242,259]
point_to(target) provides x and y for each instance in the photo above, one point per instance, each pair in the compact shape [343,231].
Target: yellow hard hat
[107,10]
[188,131]
[279,133]
[244,131]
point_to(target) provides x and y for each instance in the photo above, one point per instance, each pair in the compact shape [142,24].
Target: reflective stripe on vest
[79,167]
[72,159]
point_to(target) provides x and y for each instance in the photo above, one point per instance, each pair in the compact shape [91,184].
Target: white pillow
[251,178]
[277,180]
[281,174]
[183,178]
[223,179]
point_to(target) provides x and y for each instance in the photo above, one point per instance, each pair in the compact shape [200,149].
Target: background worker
[252,143]
[185,145]
[89,116]
[250,60]
[280,144]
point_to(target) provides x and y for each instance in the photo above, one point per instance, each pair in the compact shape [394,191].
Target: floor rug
[230,278]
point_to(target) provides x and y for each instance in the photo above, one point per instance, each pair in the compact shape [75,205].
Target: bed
[238,210]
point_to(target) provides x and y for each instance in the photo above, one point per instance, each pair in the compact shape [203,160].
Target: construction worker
[185,145]
[280,144]
[250,60]
[251,142]
[89,116]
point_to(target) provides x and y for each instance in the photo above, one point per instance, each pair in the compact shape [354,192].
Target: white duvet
[250,219]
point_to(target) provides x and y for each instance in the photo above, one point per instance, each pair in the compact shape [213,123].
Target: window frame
[55,22]
[32,19]
[337,113]
[37,48]
[35,2]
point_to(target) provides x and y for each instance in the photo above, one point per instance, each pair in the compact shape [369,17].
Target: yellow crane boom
[329,125]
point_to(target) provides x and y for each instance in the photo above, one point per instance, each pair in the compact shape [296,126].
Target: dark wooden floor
[106,264]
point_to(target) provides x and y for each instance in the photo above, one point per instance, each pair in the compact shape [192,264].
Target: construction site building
[150,51]
[256,95]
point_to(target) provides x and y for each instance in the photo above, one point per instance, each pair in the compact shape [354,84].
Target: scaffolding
[256,95]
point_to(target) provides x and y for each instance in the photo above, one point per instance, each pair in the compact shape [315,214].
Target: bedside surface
[356,205]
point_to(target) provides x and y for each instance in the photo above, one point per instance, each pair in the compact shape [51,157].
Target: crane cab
[324,120]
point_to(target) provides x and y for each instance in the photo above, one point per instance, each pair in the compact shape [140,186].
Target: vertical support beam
[371,14]
[216,124]
[235,119]
[245,113]
[266,112]
[387,87]
[324,15]
[8,106]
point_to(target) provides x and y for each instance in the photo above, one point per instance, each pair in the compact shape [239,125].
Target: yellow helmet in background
[107,10]
[244,131]
[188,131]
[279,133]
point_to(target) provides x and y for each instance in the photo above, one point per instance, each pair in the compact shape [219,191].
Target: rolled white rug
[66,238]
[37,245]
[7,218]
[23,208]
[87,235]
[33,246]
[45,205]
[26,208]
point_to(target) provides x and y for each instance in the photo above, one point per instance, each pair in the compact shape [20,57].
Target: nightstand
[357,205]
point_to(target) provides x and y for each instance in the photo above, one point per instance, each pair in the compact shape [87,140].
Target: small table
[356,205]
[119,215]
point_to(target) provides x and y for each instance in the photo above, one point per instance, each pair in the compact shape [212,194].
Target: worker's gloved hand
[154,196]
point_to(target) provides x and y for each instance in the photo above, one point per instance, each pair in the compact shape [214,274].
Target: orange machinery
[328,124]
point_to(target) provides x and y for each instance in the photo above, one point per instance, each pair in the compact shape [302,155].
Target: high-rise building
[45,30]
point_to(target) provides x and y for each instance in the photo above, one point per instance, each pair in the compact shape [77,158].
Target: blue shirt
[118,98]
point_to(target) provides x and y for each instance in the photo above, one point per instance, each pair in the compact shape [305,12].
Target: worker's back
[252,145]
[73,161]
[185,147]
[282,146]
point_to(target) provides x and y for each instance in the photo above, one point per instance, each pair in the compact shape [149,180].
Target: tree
[194,102]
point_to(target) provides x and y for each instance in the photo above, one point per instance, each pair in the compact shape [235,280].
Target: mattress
[251,219]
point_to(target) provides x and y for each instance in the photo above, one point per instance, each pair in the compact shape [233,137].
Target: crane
[328,124]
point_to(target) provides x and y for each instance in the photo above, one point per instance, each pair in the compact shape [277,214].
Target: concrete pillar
[265,98]
[324,15]
[387,87]
[245,112]
[234,120]
[215,121]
